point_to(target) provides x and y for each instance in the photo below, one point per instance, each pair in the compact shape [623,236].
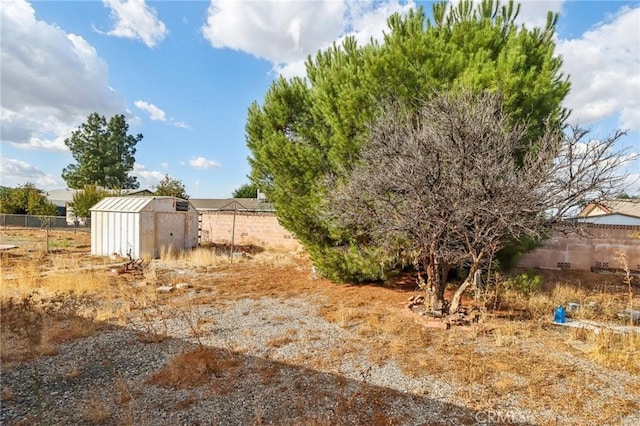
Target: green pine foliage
[307,133]
[104,154]
[248,190]
[508,257]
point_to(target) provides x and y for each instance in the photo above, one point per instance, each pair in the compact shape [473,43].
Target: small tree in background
[248,190]
[26,199]
[6,202]
[104,154]
[86,198]
[172,187]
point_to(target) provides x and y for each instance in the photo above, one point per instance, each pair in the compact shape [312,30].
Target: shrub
[526,283]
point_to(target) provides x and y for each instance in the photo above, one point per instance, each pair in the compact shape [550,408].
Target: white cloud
[632,184]
[203,163]
[164,164]
[134,19]
[17,172]
[181,124]
[366,23]
[155,113]
[279,31]
[51,81]
[533,13]
[603,65]
[285,32]
[292,69]
[147,178]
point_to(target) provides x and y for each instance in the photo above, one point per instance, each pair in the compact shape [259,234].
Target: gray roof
[60,197]
[230,204]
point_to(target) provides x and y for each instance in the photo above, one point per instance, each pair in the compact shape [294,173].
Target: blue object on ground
[560,315]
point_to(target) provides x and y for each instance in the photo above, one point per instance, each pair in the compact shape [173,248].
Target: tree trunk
[436,283]
[468,283]
[455,302]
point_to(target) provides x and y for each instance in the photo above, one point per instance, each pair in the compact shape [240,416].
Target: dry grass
[215,256]
[194,368]
[72,372]
[7,394]
[48,299]
[97,411]
[619,351]
[185,403]
[281,341]
[27,278]
[513,353]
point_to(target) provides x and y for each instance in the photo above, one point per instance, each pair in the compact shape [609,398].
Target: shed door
[170,229]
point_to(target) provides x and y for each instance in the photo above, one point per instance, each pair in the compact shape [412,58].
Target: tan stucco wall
[260,229]
[598,250]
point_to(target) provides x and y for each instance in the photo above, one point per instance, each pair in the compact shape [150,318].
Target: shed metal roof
[122,204]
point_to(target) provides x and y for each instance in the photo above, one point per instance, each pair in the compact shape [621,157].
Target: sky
[185,72]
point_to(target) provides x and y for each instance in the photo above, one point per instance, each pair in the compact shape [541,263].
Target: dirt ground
[512,367]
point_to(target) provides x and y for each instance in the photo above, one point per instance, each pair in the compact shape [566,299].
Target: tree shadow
[114,377]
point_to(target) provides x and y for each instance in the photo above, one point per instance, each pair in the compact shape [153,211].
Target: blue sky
[184,73]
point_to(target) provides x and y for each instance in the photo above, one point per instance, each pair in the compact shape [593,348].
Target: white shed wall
[115,232]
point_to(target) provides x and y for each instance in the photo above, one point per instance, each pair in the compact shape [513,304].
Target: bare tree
[447,186]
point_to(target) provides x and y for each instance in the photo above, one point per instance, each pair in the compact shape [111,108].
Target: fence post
[233,231]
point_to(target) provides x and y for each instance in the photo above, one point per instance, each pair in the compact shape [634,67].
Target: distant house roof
[620,207]
[131,192]
[60,197]
[230,204]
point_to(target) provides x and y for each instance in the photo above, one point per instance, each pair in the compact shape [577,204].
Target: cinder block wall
[599,250]
[257,228]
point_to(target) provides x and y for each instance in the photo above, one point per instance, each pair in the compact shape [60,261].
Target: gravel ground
[103,378]
[290,366]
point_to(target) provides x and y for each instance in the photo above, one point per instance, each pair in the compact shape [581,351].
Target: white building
[142,226]
[614,212]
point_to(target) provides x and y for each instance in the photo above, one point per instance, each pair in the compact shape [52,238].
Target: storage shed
[142,226]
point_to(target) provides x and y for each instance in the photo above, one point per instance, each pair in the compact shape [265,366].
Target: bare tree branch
[450,184]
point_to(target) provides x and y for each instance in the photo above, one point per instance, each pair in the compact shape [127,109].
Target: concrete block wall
[599,250]
[256,228]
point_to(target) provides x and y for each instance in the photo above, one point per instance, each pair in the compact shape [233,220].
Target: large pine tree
[305,132]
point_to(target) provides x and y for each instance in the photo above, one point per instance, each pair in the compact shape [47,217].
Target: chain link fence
[52,222]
